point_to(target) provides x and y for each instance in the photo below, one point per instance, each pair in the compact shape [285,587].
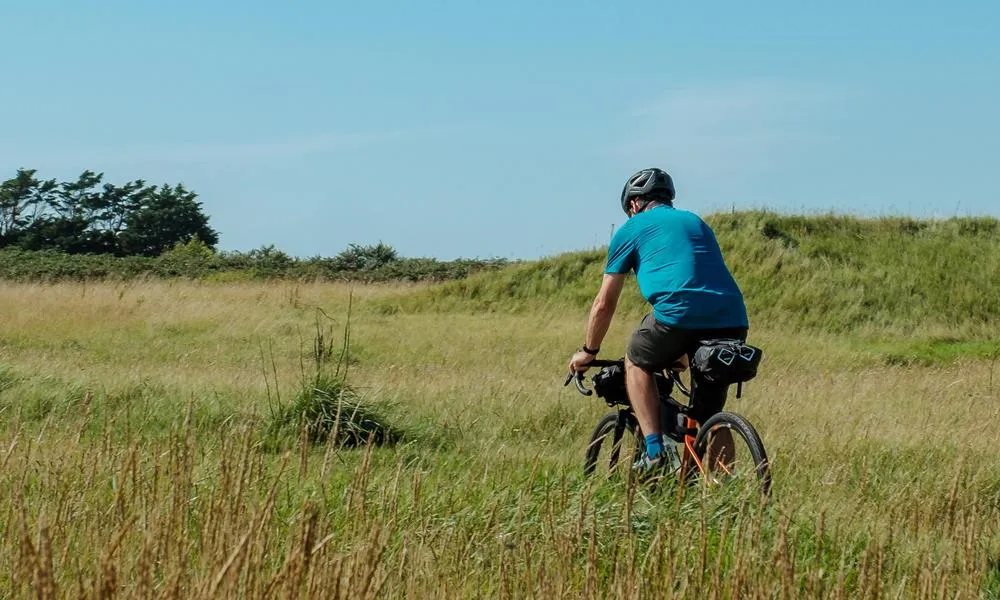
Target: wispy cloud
[730,128]
[207,152]
[198,152]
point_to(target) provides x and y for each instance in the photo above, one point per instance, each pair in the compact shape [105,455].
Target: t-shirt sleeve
[621,252]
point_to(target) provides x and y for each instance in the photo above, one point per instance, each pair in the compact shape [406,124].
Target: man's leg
[651,348]
[642,393]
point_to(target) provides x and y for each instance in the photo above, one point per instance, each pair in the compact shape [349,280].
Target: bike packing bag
[609,383]
[726,361]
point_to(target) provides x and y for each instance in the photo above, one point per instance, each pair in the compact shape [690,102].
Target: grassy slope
[832,274]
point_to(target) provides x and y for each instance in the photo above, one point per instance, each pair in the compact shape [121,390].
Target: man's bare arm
[603,309]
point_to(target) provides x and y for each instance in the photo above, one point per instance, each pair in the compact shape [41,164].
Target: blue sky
[506,129]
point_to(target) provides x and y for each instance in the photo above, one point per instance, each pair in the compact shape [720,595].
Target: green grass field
[140,453]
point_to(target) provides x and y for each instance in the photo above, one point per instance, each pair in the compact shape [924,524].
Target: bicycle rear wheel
[615,435]
[732,453]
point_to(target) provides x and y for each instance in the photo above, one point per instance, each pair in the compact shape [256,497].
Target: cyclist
[681,272]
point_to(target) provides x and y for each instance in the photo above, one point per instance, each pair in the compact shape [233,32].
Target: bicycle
[696,440]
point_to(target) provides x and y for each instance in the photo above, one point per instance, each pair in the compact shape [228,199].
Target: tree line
[195,260]
[92,216]
[92,229]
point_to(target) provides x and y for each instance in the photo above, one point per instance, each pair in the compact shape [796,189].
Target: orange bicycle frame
[690,455]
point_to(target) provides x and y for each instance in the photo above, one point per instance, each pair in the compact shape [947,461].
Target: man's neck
[653,205]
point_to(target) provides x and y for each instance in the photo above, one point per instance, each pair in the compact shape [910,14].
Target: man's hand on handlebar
[578,364]
[580,361]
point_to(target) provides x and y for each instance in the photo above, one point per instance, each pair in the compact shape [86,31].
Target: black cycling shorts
[654,347]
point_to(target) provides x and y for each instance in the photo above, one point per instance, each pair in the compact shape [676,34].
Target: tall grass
[134,459]
[117,519]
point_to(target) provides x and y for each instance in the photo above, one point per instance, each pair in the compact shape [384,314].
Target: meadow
[143,452]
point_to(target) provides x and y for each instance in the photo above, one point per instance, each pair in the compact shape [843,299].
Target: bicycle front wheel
[732,453]
[614,445]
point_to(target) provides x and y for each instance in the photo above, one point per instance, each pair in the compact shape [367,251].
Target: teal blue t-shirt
[679,268]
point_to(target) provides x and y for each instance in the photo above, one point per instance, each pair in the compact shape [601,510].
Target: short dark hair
[658,196]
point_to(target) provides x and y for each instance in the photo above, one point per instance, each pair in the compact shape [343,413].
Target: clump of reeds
[329,411]
[326,409]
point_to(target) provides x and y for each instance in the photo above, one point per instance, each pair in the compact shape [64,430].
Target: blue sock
[654,445]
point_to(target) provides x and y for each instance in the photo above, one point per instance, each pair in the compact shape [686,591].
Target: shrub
[329,408]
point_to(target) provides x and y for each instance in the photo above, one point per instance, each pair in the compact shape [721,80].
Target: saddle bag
[726,361]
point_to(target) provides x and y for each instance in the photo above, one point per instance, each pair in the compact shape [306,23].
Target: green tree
[23,200]
[76,200]
[65,234]
[90,216]
[42,215]
[110,210]
[113,205]
[164,217]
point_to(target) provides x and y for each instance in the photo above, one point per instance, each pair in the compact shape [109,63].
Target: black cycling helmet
[653,181]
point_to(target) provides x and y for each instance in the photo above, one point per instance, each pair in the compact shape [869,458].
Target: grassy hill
[830,273]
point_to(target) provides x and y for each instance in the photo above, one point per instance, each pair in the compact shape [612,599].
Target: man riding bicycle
[681,272]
